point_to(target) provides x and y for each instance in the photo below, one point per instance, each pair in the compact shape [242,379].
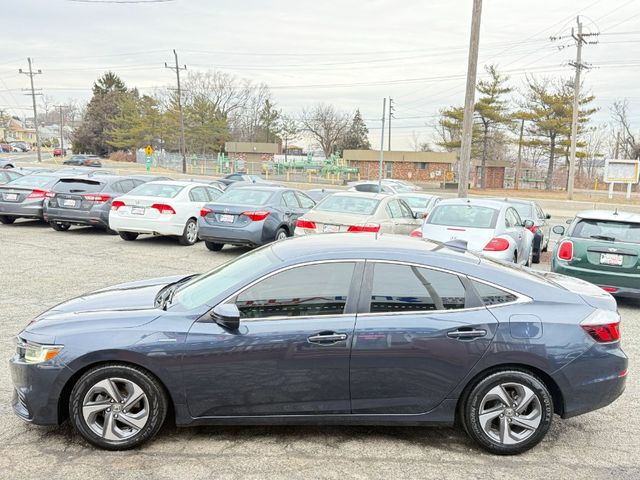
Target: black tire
[279,233]
[186,233]
[214,247]
[110,232]
[476,400]
[128,236]
[155,406]
[536,257]
[60,226]
[7,220]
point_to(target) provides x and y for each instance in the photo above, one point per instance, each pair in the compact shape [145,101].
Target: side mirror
[569,220]
[418,215]
[547,216]
[227,315]
[528,223]
[559,229]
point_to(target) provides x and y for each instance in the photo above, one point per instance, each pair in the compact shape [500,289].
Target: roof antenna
[616,212]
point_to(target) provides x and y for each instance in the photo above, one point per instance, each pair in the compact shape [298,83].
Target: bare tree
[417,145]
[326,125]
[628,143]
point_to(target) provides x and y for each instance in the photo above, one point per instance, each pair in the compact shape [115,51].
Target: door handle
[466,334]
[324,338]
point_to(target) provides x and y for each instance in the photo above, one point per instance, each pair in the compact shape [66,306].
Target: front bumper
[93,216]
[626,284]
[26,209]
[251,234]
[37,389]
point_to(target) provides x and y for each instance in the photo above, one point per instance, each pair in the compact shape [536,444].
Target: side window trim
[350,306]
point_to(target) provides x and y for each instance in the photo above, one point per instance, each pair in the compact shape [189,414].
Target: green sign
[148,163]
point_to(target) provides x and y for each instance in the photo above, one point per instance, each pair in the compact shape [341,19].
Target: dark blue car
[327,329]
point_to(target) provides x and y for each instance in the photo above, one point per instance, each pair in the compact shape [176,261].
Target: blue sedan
[327,329]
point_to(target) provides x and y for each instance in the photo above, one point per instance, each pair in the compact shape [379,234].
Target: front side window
[289,199]
[319,289]
[405,288]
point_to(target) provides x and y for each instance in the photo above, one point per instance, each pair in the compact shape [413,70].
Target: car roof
[179,183]
[513,200]
[416,194]
[478,202]
[356,194]
[609,215]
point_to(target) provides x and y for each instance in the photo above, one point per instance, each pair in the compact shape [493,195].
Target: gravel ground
[40,267]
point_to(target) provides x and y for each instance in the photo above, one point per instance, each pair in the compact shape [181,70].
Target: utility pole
[60,107]
[469,98]
[384,108]
[177,69]
[516,179]
[31,74]
[390,116]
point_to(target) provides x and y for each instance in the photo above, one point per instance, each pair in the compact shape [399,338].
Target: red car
[59,152]
[92,161]
[5,147]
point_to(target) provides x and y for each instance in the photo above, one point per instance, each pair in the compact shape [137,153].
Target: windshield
[470,216]
[416,201]
[76,185]
[245,196]
[608,230]
[32,181]
[205,288]
[348,204]
[156,190]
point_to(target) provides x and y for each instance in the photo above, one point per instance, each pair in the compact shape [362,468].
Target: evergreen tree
[357,136]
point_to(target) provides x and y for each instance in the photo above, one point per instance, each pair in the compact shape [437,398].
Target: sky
[348,53]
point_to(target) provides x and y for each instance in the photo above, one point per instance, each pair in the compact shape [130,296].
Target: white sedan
[162,208]
[492,228]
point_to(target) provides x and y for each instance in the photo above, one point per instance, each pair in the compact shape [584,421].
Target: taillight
[417,233]
[371,228]
[610,289]
[37,194]
[565,250]
[603,326]
[50,194]
[302,223]
[496,245]
[116,204]
[257,215]
[92,197]
[205,211]
[164,209]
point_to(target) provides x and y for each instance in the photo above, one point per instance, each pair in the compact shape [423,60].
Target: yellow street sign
[149,150]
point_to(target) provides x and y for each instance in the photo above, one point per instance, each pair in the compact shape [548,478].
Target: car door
[291,209]
[406,223]
[544,225]
[418,334]
[290,354]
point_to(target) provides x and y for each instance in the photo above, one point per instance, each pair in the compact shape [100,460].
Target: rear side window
[198,194]
[305,201]
[77,185]
[319,289]
[470,216]
[32,181]
[607,230]
[157,190]
[491,295]
[405,288]
[245,196]
[289,199]
[348,204]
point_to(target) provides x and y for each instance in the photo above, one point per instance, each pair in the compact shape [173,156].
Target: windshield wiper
[603,237]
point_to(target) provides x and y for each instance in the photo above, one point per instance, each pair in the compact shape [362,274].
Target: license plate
[330,228]
[610,259]
[68,203]
[137,210]
[227,218]
[10,196]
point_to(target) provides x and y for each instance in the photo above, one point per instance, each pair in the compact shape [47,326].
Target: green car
[602,248]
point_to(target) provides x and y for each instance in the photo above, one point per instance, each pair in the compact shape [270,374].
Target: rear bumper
[251,234]
[593,380]
[154,226]
[23,210]
[626,284]
[77,217]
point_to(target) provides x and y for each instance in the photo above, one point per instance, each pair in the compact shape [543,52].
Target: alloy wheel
[510,413]
[192,232]
[281,235]
[115,409]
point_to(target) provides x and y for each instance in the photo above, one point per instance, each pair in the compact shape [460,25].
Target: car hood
[124,297]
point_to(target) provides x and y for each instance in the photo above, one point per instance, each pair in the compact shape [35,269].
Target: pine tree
[357,136]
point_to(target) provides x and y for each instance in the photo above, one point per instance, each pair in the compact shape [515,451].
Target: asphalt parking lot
[40,267]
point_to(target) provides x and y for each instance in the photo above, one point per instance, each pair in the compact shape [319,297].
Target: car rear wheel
[117,407]
[190,233]
[214,247]
[5,219]
[508,412]
[60,226]
[281,234]
[128,236]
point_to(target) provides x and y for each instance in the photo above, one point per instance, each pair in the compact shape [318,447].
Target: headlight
[36,353]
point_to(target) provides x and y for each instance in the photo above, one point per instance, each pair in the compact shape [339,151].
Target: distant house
[402,165]
[494,175]
[16,131]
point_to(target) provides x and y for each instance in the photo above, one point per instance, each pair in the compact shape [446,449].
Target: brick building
[495,173]
[253,154]
[402,165]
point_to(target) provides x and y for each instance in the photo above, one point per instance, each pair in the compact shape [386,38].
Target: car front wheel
[117,407]
[214,247]
[5,219]
[190,233]
[508,412]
